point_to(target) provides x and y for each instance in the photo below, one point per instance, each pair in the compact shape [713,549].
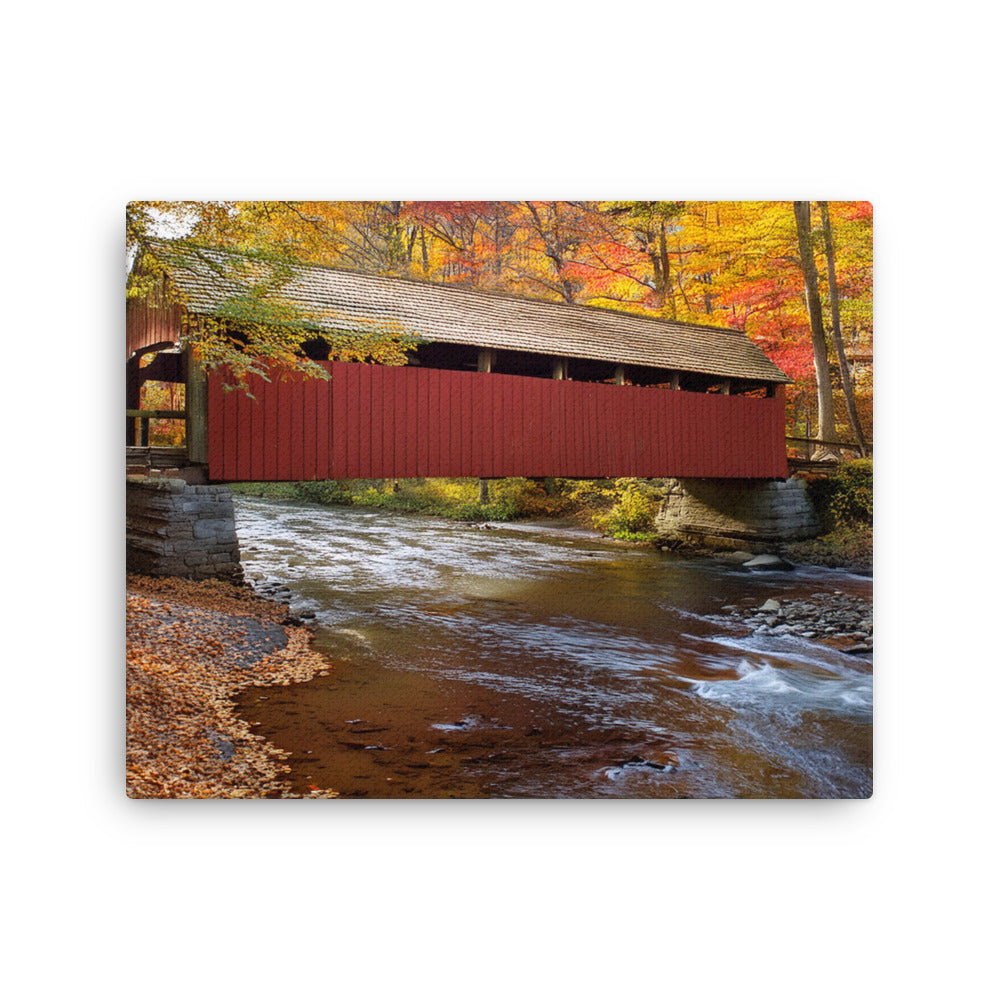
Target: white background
[105,104]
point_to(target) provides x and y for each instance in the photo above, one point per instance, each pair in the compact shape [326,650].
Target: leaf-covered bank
[190,648]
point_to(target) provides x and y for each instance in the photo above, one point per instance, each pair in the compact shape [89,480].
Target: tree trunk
[665,267]
[838,339]
[827,429]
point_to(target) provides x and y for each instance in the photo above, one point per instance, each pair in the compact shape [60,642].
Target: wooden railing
[841,449]
[137,424]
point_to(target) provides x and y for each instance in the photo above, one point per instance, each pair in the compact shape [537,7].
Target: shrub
[328,491]
[846,498]
[631,516]
[271,491]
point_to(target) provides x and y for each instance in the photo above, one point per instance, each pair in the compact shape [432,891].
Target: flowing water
[539,660]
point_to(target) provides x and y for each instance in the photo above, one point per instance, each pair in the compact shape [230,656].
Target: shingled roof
[337,299]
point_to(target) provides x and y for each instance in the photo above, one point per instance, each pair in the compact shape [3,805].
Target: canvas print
[499,499]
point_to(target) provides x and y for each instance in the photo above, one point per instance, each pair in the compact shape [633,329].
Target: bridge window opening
[523,363]
[316,349]
[585,370]
[164,397]
[755,390]
[447,357]
[648,377]
[155,398]
[465,357]
[696,382]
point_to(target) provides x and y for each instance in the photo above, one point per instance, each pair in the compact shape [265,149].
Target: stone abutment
[173,528]
[731,513]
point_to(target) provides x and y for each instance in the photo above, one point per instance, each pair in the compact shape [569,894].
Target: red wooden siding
[374,422]
[150,321]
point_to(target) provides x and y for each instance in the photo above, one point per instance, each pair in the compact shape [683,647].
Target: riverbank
[190,649]
[622,510]
[850,550]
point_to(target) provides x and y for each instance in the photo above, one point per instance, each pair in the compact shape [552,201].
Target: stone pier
[173,528]
[746,513]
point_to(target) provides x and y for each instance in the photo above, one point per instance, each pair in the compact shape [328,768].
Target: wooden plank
[425,427]
[451,414]
[468,430]
[376,374]
[509,437]
[437,427]
[731,435]
[492,426]
[269,440]
[230,426]
[283,430]
[321,401]
[495,426]
[589,402]
[537,441]
[309,429]
[410,429]
[663,420]
[562,427]
[256,454]
[662,417]
[602,406]
[297,427]
[517,456]
[574,438]
[352,415]
[393,413]
[680,437]
[158,414]
[578,418]
[365,401]
[704,443]
[640,424]
[478,441]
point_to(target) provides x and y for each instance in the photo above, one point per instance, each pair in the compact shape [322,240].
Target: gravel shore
[190,648]
[836,619]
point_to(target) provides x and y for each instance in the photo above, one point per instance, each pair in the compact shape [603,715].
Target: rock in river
[767,562]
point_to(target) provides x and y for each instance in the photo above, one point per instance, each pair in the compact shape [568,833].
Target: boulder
[767,562]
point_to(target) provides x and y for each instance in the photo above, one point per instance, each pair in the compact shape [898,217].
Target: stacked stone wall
[176,529]
[738,513]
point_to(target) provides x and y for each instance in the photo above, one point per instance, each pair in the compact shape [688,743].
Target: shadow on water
[540,661]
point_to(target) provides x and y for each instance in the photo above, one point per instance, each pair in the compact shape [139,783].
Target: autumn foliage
[724,264]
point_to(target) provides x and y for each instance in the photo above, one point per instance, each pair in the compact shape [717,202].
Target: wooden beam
[196,405]
[487,359]
[158,414]
[560,369]
[619,375]
[675,380]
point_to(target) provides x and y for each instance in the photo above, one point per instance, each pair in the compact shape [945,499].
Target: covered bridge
[497,385]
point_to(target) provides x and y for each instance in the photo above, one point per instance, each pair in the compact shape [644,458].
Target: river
[541,661]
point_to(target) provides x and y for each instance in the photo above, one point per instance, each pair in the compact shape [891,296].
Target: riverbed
[542,661]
